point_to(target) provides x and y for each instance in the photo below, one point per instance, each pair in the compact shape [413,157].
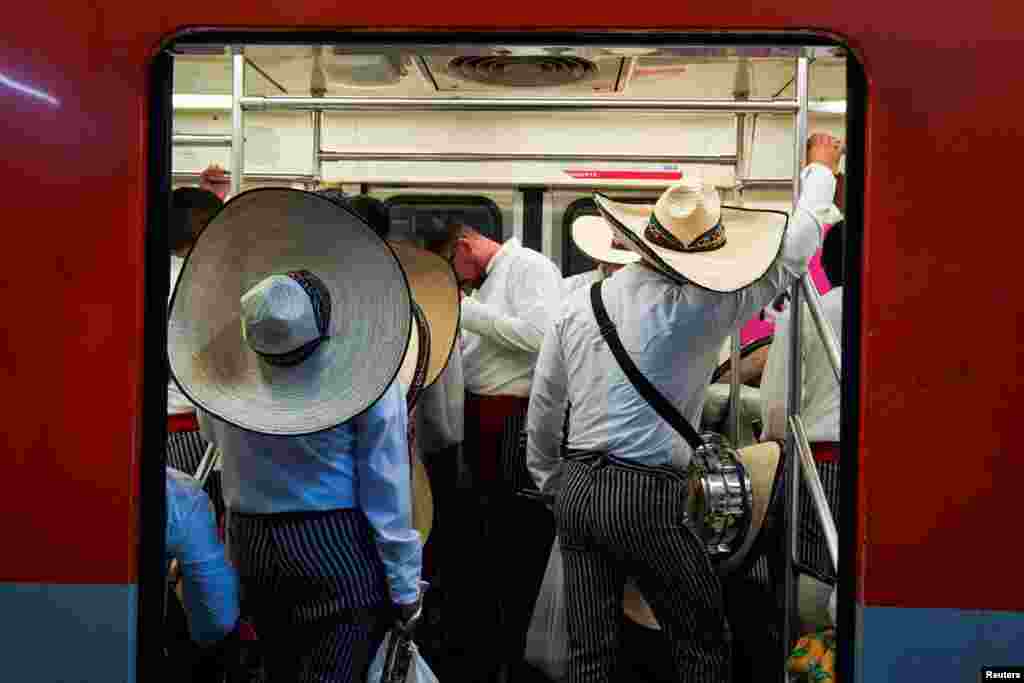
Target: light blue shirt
[210,583]
[363,464]
[673,333]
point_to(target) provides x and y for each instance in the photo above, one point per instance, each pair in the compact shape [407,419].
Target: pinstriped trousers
[617,519]
[311,582]
[185,450]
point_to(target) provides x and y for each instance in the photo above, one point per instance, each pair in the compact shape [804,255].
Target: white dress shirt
[504,322]
[177,403]
[673,333]
[439,414]
[575,282]
[363,463]
[819,405]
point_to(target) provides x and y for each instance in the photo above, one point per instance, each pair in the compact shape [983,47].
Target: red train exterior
[935,546]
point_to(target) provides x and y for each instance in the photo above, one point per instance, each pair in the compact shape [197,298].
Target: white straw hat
[595,239]
[435,290]
[290,316]
[691,237]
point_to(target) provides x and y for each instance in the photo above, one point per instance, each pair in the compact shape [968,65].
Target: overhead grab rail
[720,159]
[391,104]
[201,140]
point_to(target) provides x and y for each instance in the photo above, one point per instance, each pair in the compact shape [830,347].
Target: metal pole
[237,124]
[317,151]
[206,465]
[200,140]
[720,160]
[765,183]
[825,331]
[257,103]
[278,178]
[794,397]
[734,391]
[741,155]
[817,491]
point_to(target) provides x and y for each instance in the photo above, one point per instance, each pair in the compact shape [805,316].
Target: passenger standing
[191,209]
[436,295]
[288,328]
[619,505]
[515,293]
[820,392]
[596,240]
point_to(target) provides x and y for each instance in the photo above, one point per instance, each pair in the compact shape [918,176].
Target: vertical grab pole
[734,390]
[317,165]
[237,125]
[741,91]
[790,622]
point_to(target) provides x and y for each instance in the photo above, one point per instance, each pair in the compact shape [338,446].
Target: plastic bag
[547,641]
[418,672]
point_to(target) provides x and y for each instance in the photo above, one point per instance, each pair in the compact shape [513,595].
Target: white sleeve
[546,416]
[537,290]
[803,238]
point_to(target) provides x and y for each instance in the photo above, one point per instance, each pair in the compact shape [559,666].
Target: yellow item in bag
[814,657]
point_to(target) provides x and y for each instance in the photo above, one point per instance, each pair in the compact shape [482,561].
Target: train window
[575,261]
[415,216]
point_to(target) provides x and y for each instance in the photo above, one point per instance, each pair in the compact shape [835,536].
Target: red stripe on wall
[580,174]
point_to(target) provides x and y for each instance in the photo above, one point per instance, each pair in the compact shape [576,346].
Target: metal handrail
[794,398]
[715,159]
[201,140]
[542,104]
[817,489]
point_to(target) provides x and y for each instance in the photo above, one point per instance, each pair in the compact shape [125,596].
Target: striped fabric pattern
[185,451]
[812,550]
[617,519]
[312,582]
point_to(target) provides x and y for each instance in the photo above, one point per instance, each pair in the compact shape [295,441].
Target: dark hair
[334,194]
[373,211]
[186,203]
[444,231]
[832,254]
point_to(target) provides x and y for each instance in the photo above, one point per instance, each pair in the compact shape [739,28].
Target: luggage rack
[800,462]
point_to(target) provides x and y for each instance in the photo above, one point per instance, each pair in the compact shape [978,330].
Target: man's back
[673,333]
[520,293]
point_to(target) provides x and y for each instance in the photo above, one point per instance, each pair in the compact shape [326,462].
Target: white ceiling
[620,73]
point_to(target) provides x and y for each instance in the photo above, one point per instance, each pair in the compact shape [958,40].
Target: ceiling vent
[511,71]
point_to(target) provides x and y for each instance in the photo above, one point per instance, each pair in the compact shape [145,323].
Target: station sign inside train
[607,174]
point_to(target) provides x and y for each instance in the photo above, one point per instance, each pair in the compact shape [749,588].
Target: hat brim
[435,289]
[753,241]
[761,462]
[593,237]
[266,231]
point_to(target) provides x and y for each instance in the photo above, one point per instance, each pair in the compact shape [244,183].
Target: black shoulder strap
[642,385]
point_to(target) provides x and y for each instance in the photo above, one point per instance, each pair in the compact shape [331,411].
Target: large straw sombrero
[435,294]
[262,237]
[595,239]
[691,237]
[435,290]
